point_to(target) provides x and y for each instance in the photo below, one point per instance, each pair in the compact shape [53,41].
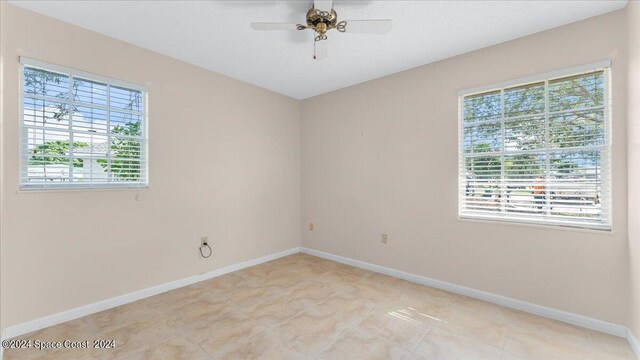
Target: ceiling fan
[322,18]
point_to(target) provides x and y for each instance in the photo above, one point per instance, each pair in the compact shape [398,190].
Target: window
[80,130]
[538,151]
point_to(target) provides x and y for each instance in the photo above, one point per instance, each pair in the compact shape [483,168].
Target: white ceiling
[216,35]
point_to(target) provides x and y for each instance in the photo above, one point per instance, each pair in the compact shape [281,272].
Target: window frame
[606,184]
[71,73]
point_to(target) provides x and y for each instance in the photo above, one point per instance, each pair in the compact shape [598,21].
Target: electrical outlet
[204,240]
[384,238]
[310,226]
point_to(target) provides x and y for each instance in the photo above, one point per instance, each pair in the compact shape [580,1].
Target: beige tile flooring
[304,307]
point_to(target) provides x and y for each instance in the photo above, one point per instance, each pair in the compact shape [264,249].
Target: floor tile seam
[188,336]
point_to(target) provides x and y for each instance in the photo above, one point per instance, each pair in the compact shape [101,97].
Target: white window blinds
[538,152]
[80,130]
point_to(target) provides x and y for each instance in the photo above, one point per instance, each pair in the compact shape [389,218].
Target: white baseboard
[41,323]
[634,343]
[579,320]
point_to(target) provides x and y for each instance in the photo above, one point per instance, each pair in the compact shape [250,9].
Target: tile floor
[304,307]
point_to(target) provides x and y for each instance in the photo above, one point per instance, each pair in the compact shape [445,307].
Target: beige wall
[633,10]
[381,157]
[225,162]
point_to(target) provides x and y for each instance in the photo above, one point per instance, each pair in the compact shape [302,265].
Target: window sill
[99,188]
[603,231]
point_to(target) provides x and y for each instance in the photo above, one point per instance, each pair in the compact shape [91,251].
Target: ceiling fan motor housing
[321,21]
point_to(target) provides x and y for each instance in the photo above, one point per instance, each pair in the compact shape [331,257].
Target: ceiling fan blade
[367,26]
[323,5]
[320,49]
[274,26]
